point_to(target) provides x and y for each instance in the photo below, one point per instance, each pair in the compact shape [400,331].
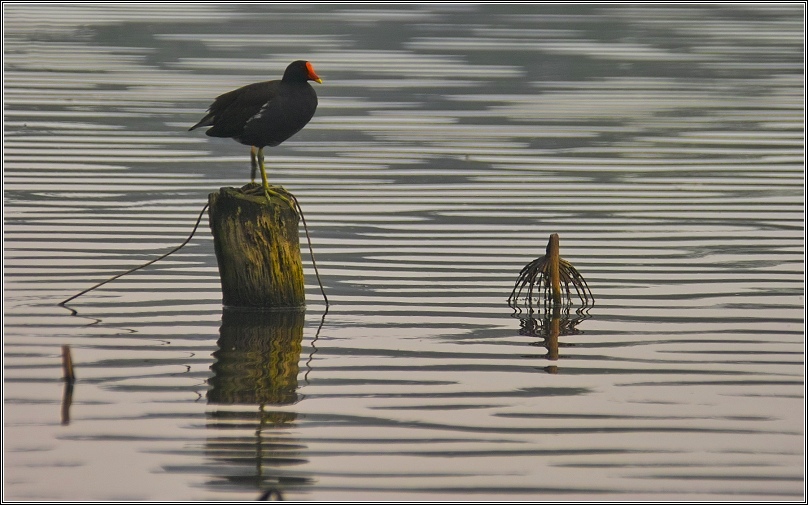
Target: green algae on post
[257,248]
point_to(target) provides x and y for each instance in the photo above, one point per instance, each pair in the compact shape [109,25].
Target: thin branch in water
[196,226]
[311,249]
[198,220]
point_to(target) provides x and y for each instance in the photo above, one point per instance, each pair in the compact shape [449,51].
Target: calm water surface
[665,146]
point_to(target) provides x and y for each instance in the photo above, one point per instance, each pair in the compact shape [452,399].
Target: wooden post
[554,260]
[258,250]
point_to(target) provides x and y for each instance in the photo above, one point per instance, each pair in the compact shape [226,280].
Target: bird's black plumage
[265,113]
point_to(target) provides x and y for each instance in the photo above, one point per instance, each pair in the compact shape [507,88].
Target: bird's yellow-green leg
[264,181]
[253,163]
[267,191]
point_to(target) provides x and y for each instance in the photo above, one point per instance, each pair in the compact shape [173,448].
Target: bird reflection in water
[271,495]
[256,365]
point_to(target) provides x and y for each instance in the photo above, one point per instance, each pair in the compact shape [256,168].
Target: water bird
[264,113]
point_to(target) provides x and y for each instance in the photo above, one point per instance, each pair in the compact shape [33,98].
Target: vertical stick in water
[67,365]
[553,259]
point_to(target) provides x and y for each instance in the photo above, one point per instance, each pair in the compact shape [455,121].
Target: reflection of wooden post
[553,258]
[258,250]
[258,356]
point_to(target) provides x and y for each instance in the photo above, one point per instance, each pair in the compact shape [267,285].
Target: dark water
[665,146]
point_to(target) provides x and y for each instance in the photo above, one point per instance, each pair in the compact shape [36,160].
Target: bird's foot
[280,195]
[278,192]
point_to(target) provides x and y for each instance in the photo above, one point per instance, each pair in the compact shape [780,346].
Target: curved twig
[198,220]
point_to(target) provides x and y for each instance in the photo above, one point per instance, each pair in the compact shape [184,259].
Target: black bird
[265,113]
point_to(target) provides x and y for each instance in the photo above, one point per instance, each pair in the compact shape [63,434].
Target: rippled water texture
[664,145]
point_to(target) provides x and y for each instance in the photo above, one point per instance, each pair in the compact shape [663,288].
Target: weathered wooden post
[257,248]
[553,258]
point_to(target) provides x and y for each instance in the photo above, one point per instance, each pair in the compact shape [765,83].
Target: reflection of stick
[67,400]
[552,334]
[67,365]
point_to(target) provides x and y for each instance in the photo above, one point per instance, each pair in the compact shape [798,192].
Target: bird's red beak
[313,76]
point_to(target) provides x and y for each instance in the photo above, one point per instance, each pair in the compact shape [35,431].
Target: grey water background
[664,144]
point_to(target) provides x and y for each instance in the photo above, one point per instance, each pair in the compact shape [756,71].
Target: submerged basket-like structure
[544,277]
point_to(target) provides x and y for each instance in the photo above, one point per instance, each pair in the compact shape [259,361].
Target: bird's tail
[206,121]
